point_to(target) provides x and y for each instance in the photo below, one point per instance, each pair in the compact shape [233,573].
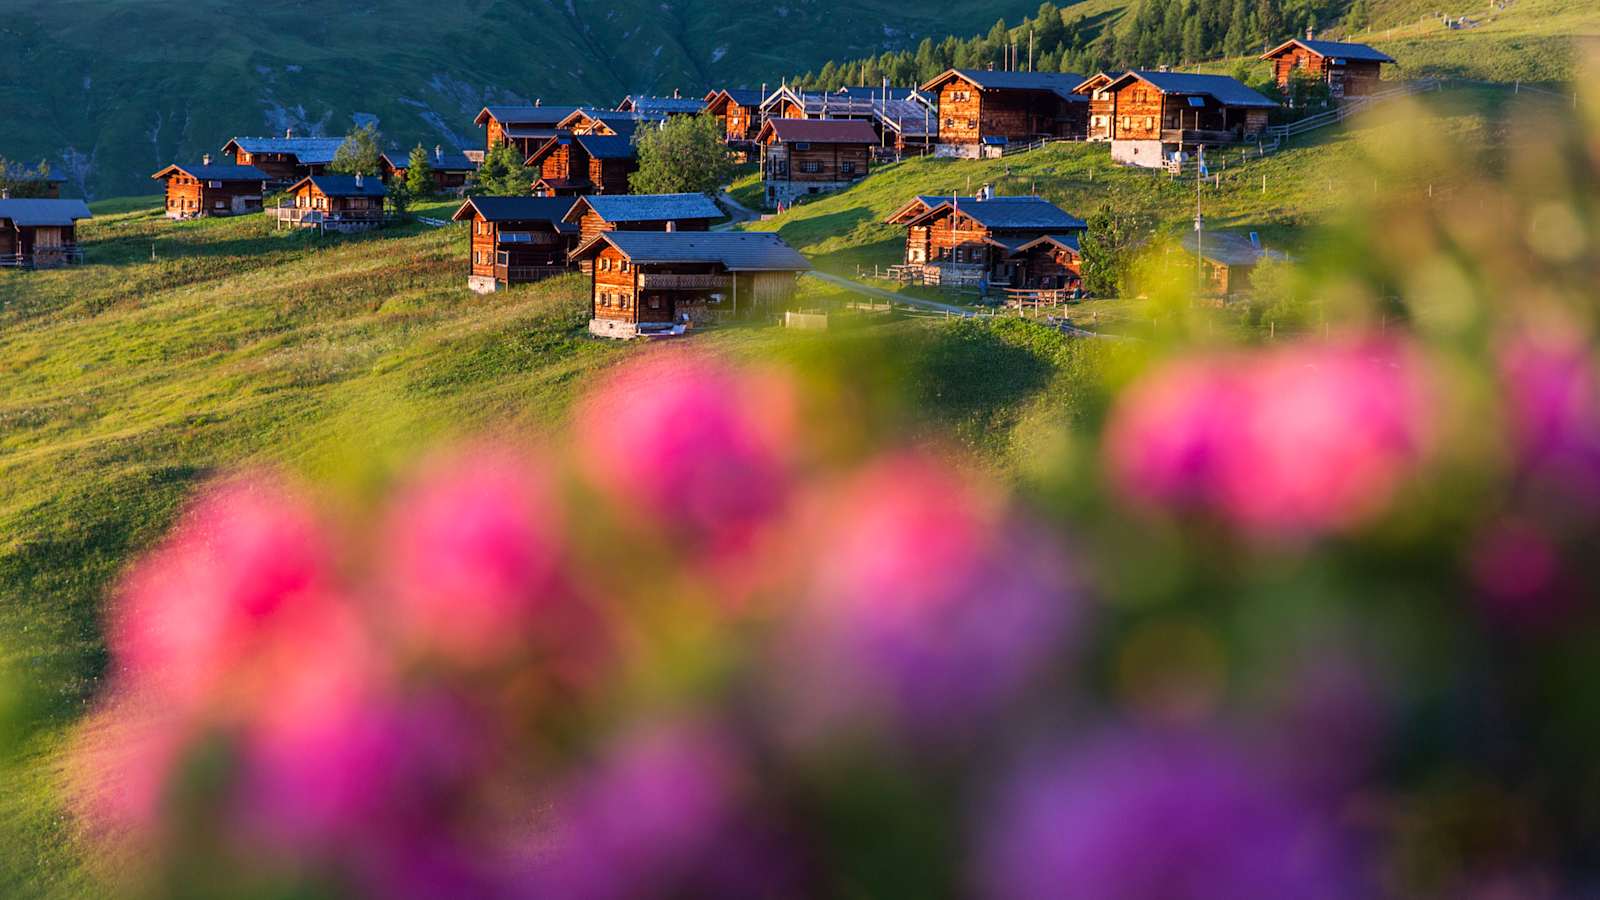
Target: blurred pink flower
[1154,816]
[658,817]
[1517,569]
[1290,441]
[245,559]
[697,445]
[1552,383]
[121,764]
[474,554]
[929,600]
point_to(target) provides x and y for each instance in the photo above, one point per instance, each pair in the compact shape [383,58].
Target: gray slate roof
[737,251]
[345,185]
[868,92]
[521,209]
[526,115]
[666,105]
[1019,213]
[1342,50]
[35,212]
[1058,83]
[745,96]
[606,146]
[216,172]
[1229,249]
[449,161]
[308,150]
[1222,88]
[649,207]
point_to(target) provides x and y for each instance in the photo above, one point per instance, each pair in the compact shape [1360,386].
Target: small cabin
[607,122]
[575,164]
[450,170]
[212,189]
[516,240]
[1022,243]
[642,212]
[1228,260]
[901,118]
[801,157]
[980,113]
[1158,117]
[343,203]
[739,111]
[658,283]
[40,232]
[525,126]
[1101,106]
[1349,70]
[284,160]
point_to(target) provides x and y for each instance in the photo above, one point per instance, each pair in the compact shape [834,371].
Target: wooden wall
[819,162]
[1139,111]
[960,113]
[615,291]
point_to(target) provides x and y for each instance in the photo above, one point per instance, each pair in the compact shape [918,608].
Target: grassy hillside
[109,89]
[180,350]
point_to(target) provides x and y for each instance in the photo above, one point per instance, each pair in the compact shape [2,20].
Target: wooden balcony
[651,281]
[326,219]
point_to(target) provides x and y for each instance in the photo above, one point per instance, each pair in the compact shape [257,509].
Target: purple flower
[1552,383]
[1154,816]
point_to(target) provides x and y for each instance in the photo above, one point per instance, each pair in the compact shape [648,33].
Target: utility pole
[1030,49]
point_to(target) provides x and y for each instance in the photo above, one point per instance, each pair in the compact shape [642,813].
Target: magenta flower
[474,554]
[244,561]
[1292,441]
[1552,384]
[697,446]
[1154,816]
[658,817]
[930,601]
[1517,569]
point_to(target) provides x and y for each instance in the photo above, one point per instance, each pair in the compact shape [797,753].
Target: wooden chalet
[661,107]
[800,157]
[1228,260]
[650,283]
[1350,70]
[525,126]
[516,240]
[1156,116]
[341,203]
[1021,243]
[212,189]
[285,160]
[450,170]
[40,232]
[902,119]
[606,122]
[980,113]
[641,212]
[739,111]
[574,164]
[1101,106]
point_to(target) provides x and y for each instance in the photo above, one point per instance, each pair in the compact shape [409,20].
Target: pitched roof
[523,115]
[646,207]
[1059,83]
[1093,82]
[531,131]
[737,251]
[607,146]
[214,172]
[1066,241]
[1222,88]
[822,131]
[308,150]
[518,209]
[33,212]
[448,161]
[662,105]
[917,206]
[869,92]
[744,96]
[1013,213]
[1229,249]
[344,186]
[1336,49]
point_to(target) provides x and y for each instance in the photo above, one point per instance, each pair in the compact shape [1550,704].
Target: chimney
[676,94]
[438,152]
[205,160]
[358,179]
[5,193]
[288,133]
[1311,33]
[671,226]
[538,101]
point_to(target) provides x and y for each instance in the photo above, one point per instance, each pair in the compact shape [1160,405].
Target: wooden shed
[739,111]
[1228,260]
[285,160]
[801,157]
[1350,70]
[40,232]
[595,214]
[516,240]
[982,112]
[212,189]
[574,164]
[648,283]
[1026,243]
[1157,115]
[341,203]
[450,170]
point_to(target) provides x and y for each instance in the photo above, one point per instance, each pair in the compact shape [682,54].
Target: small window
[949,123]
[655,302]
[972,123]
[802,145]
[627,266]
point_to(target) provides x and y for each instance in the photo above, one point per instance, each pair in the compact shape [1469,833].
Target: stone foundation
[1148,154]
[787,192]
[612,328]
[482,284]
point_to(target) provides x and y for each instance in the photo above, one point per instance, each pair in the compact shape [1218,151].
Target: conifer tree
[419,173]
